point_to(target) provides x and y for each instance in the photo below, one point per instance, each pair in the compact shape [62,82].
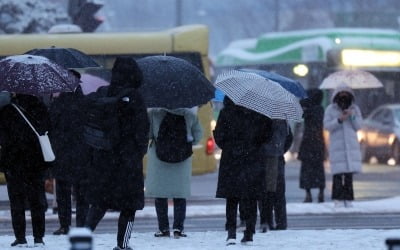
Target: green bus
[310,55]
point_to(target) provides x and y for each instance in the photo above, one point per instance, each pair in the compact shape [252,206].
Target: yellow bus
[188,42]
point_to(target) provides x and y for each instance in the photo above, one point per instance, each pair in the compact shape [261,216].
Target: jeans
[161,205]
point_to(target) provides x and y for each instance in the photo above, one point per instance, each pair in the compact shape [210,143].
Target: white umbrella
[355,79]
[259,94]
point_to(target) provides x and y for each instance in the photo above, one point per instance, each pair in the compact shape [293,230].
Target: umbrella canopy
[257,93]
[91,83]
[355,79]
[67,57]
[34,75]
[170,82]
[290,85]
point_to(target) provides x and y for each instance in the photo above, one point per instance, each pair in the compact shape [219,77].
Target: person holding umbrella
[115,174]
[29,78]
[170,179]
[342,119]
[23,164]
[241,133]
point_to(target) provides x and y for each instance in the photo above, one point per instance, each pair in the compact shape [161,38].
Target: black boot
[308,198]
[19,243]
[321,196]
[247,238]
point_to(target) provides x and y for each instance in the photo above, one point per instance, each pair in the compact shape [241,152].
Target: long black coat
[20,148]
[72,154]
[240,133]
[312,147]
[116,177]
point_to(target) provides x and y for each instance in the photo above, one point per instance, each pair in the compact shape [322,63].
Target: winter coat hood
[125,74]
[342,88]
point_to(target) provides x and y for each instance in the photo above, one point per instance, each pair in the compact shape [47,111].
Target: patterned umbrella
[34,75]
[355,79]
[290,85]
[259,94]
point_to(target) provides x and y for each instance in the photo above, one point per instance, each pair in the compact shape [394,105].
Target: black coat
[20,148]
[312,148]
[240,133]
[116,177]
[72,154]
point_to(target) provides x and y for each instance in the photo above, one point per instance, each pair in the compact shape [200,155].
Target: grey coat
[170,180]
[344,148]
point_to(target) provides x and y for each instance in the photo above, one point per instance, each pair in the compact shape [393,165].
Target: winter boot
[20,243]
[38,242]
[162,234]
[308,198]
[179,233]
[247,238]
[321,196]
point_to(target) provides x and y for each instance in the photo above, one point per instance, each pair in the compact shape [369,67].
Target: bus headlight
[300,70]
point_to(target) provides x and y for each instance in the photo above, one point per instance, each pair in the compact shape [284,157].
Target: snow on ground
[389,205]
[365,239]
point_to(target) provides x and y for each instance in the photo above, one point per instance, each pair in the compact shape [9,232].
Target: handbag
[44,141]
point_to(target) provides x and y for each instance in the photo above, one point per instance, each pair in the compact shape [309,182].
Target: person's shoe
[338,203]
[162,234]
[247,238]
[348,204]
[61,231]
[231,240]
[119,248]
[19,243]
[178,233]
[308,198]
[38,242]
[320,197]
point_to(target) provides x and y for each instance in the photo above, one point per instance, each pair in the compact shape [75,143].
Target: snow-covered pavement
[364,239]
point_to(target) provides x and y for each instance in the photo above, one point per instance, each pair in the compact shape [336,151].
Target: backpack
[171,143]
[102,128]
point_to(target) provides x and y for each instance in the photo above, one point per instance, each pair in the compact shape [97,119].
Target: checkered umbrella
[259,94]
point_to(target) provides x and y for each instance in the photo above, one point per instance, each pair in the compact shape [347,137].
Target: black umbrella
[34,75]
[170,82]
[66,57]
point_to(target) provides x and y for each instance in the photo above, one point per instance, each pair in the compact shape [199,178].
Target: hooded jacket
[116,177]
[344,148]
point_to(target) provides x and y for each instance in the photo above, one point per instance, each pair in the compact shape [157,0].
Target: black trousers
[64,194]
[161,205]
[21,186]
[248,213]
[273,205]
[125,223]
[342,187]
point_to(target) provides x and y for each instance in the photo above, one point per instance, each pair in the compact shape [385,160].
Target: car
[379,135]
